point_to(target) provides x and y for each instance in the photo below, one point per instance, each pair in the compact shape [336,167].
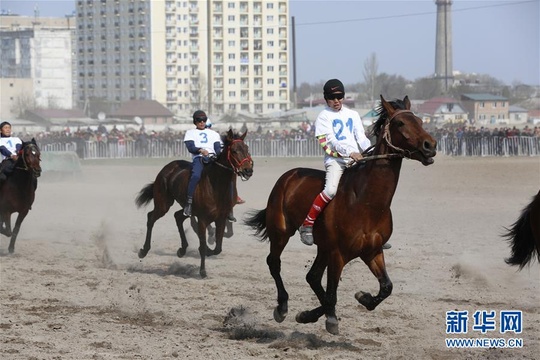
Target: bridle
[25,166]
[234,165]
[400,153]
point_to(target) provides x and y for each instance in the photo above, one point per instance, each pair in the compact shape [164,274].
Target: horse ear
[230,134]
[407,102]
[387,107]
[33,141]
[243,136]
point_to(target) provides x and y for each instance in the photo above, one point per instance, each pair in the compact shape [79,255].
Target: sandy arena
[75,288]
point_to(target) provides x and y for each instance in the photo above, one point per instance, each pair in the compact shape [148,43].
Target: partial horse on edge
[524,235]
[17,193]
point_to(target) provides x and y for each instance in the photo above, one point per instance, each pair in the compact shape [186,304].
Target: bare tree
[23,102]
[371,66]
[199,93]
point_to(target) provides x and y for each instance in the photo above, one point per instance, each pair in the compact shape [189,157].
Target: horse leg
[277,244]
[16,229]
[201,232]
[180,217]
[378,268]
[228,229]
[219,231]
[152,217]
[5,225]
[328,298]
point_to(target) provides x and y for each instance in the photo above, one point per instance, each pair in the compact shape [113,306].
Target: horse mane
[383,115]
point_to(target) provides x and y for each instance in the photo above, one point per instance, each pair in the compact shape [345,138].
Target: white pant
[334,170]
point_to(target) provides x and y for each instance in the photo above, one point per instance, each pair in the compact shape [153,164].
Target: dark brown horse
[356,223]
[213,200]
[524,235]
[17,193]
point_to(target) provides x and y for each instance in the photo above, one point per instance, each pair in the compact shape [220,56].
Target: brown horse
[17,193]
[213,200]
[524,235]
[356,223]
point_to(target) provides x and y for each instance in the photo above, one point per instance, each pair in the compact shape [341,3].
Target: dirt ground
[75,288]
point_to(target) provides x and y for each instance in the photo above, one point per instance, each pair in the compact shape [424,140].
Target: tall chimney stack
[443,45]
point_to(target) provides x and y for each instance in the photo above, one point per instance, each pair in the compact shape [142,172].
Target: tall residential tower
[221,56]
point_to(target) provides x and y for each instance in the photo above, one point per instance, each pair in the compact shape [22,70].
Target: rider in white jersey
[204,144]
[9,149]
[340,132]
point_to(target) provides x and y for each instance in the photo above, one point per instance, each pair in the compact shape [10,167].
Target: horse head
[401,132]
[237,154]
[30,157]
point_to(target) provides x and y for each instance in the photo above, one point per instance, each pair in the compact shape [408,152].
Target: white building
[220,56]
[36,68]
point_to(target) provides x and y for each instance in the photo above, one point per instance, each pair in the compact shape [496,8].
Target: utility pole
[295,95]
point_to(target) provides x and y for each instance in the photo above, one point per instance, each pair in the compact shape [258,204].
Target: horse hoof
[305,317]
[181,252]
[278,316]
[203,274]
[332,325]
[365,299]
[142,253]
[11,250]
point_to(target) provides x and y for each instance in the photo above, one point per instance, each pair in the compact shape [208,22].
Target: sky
[334,38]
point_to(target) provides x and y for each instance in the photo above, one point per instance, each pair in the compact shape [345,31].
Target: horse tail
[145,195]
[521,238]
[257,221]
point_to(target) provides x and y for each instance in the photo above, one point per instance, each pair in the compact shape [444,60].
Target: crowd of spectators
[452,137]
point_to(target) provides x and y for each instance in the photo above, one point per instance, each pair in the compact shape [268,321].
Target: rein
[232,161]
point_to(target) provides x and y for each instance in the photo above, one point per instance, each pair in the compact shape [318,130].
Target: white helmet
[208,124]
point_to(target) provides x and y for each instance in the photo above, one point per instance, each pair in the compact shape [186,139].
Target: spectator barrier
[447,145]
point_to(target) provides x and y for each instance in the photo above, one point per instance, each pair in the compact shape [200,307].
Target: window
[232,81]
[232,56]
[269,56]
[270,68]
[230,18]
[269,5]
[232,94]
[269,31]
[270,81]
[232,68]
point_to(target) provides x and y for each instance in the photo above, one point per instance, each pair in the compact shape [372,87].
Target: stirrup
[231,217]
[187,210]
[386,246]
[306,234]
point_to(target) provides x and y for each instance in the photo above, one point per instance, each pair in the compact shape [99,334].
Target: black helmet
[199,115]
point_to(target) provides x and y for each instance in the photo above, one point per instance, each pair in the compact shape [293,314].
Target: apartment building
[36,64]
[486,108]
[221,56]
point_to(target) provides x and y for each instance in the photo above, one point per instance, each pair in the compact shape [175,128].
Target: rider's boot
[187,208]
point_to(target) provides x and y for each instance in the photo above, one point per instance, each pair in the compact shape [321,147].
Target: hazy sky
[334,38]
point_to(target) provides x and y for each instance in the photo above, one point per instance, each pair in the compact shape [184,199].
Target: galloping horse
[17,193]
[524,235]
[356,223]
[213,200]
